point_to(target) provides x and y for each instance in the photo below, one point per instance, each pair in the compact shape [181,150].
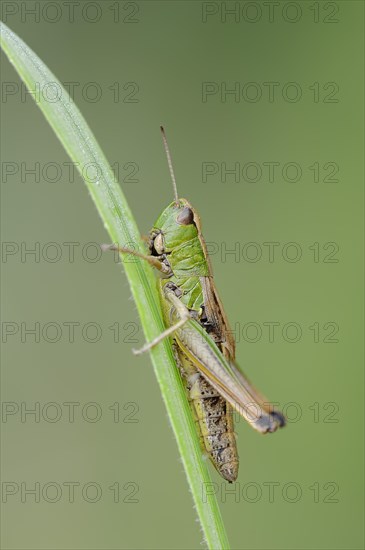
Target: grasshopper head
[175,226]
[177,233]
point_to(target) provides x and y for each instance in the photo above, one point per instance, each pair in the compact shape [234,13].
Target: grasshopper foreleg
[155,262]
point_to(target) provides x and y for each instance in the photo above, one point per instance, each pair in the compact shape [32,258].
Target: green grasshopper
[203,343]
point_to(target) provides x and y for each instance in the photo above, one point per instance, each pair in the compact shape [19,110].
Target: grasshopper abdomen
[213,416]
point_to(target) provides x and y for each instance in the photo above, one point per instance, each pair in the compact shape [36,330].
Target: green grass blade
[82,147]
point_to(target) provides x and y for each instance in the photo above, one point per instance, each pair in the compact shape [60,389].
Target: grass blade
[83,149]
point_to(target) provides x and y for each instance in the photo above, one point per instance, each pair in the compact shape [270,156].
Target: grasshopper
[203,344]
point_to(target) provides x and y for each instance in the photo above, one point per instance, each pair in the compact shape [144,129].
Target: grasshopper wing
[227,379]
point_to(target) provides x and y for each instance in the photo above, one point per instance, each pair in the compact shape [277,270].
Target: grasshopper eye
[186,216]
[158,244]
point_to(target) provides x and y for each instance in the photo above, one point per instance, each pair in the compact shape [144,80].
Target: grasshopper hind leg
[213,419]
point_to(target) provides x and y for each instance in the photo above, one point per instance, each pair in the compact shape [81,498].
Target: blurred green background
[296,145]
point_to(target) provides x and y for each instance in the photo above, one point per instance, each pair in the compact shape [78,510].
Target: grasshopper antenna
[169,162]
